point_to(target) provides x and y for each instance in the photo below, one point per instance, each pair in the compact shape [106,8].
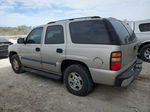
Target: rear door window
[54,35]
[89,32]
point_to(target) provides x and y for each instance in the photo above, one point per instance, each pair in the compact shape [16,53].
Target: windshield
[3,40]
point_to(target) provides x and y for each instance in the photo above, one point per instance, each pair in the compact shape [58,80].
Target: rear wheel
[77,80]
[145,53]
[16,64]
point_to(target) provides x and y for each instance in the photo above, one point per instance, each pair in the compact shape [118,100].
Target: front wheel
[77,80]
[16,64]
[145,53]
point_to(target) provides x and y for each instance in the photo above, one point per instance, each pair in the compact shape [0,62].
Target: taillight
[115,61]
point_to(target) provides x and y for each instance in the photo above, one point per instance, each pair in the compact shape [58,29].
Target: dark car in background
[4,43]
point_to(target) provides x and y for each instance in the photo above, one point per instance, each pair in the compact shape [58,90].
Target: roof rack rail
[74,19]
[95,17]
[51,22]
[84,17]
[56,21]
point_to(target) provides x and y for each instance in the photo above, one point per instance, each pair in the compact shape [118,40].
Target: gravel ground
[31,93]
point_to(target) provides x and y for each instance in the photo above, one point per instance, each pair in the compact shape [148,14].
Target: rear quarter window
[89,32]
[144,27]
[124,32]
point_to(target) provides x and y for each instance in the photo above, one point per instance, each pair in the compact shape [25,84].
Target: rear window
[124,32]
[89,32]
[144,27]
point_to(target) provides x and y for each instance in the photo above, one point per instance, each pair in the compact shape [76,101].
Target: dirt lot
[31,93]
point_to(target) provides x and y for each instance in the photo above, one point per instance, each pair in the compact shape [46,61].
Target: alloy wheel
[75,81]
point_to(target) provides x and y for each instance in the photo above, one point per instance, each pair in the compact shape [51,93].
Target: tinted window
[144,27]
[131,32]
[89,32]
[35,36]
[54,35]
[122,32]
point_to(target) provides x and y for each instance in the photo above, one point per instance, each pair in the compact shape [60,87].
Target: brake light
[115,61]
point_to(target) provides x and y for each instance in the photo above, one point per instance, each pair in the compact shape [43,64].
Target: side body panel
[96,57]
[14,48]
[51,59]
[29,56]
[28,53]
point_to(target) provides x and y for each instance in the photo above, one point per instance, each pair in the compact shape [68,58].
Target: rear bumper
[129,75]
[3,53]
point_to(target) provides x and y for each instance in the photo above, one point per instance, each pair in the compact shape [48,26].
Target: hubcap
[75,81]
[147,53]
[15,64]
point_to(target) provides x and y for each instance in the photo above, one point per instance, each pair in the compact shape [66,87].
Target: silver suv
[81,51]
[142,31]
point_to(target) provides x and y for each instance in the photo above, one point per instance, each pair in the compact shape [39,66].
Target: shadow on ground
[3,57]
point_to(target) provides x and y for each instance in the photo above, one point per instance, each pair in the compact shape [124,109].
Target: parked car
[81,51]
[4,43]
[142,31]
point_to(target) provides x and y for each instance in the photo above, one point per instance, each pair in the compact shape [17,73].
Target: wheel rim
[147,53]
[75,81]
[15,64]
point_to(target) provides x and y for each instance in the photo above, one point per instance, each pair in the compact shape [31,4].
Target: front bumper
[129,75]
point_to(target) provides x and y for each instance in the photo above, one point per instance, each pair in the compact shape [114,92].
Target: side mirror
[20,41]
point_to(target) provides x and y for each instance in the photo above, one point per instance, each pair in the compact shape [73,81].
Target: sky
[37,12]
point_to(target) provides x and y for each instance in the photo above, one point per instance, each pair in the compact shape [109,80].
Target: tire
[15,60]
[83,81]
[144,54]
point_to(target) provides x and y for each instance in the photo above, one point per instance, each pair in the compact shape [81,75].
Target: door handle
[37,49]
[59,50]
